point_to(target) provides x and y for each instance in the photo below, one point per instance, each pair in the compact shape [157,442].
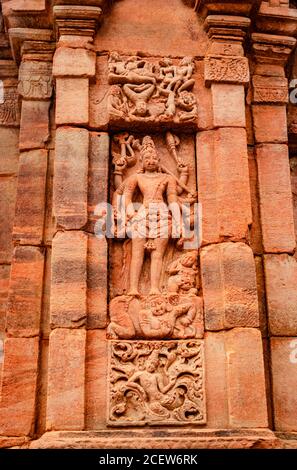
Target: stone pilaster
[75,27]
[24,311]
[230,300]
[272,49]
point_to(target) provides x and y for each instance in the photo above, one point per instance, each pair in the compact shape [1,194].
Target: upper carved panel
[148,94]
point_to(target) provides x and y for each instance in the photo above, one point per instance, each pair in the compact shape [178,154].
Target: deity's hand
[182,167]
[120,165]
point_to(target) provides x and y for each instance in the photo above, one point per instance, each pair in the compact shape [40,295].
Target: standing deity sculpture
[147,203]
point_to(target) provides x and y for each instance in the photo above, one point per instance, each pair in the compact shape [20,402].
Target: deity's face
[151,366]
[150,160]
[141,108]
[158,307]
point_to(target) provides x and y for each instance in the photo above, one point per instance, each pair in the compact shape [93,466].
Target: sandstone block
[71,177]
[270,124]
[25,292]
[223,184]
[7,205]
[9,150]
[72,101]
[284,380]
[66,380]
[49,222]
[255,231]
[246,378]
[281,282]
[228,105]
[68,306]
[98,174]
[96,379]
[34,130]
[66,57]
[19,378]
[261,294]
[235,379]
[97,282]
[229,286]
[216,387]
[30,201]
[293,165]
[4,283]
[276,205]
[270,90]
[35,80]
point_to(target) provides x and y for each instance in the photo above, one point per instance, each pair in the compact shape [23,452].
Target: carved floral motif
[9,109]
[156,383]
[271,95]
[146,92]
[226,69]
[35,80]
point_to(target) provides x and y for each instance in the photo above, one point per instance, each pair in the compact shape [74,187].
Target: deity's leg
[156,264]
[136,264]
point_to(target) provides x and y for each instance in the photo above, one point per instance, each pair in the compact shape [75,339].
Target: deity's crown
[147,144]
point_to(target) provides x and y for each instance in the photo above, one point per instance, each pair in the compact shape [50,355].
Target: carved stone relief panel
[154,281]
[156,383]
[145,93]
[152,227]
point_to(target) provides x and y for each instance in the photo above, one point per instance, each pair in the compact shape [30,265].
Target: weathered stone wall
[62,289]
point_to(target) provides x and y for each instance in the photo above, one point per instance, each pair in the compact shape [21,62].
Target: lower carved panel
[155,383]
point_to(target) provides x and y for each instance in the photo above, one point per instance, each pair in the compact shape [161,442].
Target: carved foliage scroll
[156,383]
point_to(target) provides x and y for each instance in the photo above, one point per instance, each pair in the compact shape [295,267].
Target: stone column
[74,252]
[24,310]
[270,98]
[227,263]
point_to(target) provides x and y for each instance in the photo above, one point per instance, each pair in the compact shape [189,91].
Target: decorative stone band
[9,107]
[270,90]
[35,80]
[223,69]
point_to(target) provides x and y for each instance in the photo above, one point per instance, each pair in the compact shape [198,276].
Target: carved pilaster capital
[270,90]
[35,80]
[226,34]
[9,104]
[34,37]
[225,61]
[276,17]
[226,7]
[272,50]
[76,20]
